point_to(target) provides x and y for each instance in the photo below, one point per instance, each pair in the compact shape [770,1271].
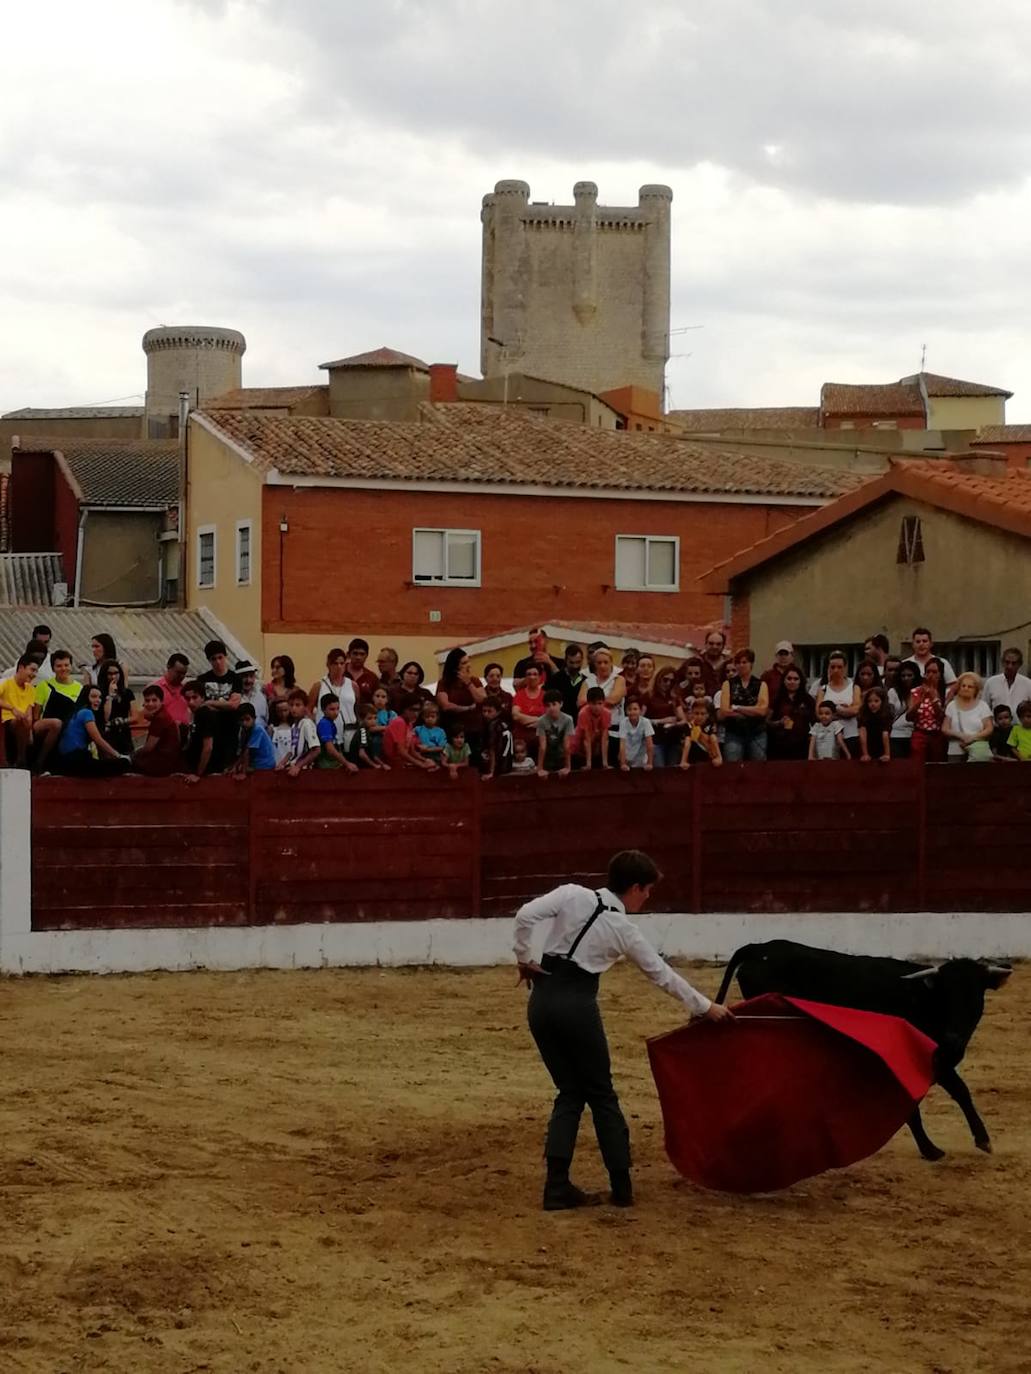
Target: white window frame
[247,525]
[673,539]
[202,530]
[447,581]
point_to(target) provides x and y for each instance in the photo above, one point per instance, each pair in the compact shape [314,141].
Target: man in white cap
[247,672]
[783,659]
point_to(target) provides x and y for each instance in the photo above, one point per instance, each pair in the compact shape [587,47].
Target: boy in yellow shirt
[1020,736]
[18,710]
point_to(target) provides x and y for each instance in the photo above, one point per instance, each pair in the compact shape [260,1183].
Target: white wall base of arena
[467,943]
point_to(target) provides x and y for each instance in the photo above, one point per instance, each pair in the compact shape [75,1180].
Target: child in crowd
[362,752]
[701,743]
[400,747]
[304,740]
[554,737]
[457,753]
[1020,736]
[998,741]
[383,715]
[826,734]
[160,755]
[256,752]
[327,731]
[636,738]
[497,739]
[18,710]
[279,729]
[430,738]
[521,760]
[875,722]
[592,730]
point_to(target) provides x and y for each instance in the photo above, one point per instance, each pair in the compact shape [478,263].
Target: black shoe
[562,1196]
[622,1194]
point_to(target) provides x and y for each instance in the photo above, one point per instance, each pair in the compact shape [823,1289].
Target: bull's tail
[736,958]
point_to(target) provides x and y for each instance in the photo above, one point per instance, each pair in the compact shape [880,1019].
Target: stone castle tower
[195,358]
[576,293]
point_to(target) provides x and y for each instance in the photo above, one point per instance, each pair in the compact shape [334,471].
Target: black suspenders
[599,908]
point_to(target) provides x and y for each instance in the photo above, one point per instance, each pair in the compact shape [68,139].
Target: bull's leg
[924,1143]
[960,1094]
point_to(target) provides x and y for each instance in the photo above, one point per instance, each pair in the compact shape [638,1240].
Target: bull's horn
[999,968]
[921,973]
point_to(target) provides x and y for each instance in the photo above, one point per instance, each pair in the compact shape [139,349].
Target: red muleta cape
[792,1089]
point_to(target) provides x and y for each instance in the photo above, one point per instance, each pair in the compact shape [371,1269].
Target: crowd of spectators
[576,711]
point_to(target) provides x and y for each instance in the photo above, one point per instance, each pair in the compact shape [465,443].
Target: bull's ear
[927,973]
[996,975]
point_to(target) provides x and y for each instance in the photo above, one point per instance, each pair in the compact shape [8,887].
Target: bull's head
[956,991]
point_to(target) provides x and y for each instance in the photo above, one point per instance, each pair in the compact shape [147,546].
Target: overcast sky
[851,180]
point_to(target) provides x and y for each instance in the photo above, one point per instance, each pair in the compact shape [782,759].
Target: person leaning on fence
[256,752]
[18,710]
[304,739]
[701,742]
[330,756]
[968,722]
[875,721]
[497,740]
[1020,735]
[160,755]
[457,753]
[589,932]
[82,751]
[827,735]
[636,738]
[365,746]
[999,739]
[554,737]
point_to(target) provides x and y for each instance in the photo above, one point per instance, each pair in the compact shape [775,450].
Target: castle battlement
[576,293]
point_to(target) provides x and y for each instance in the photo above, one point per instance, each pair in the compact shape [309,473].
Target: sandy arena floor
[339,1171]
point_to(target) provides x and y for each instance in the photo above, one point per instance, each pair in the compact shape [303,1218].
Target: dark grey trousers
[566,1024]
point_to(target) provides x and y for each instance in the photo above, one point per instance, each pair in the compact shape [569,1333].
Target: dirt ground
[340,1171]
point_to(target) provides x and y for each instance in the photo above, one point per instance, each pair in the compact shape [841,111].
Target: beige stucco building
[939,544]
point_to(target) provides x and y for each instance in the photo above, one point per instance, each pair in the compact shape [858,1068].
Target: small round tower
[196,359]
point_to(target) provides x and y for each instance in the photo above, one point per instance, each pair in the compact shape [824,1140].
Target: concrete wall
[377,393]
[121,557]
[846,584]
[222,489]
[965,412]
[112,427]
[550,399]
[578,294]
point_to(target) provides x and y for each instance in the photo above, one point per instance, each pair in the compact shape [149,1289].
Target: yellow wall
[965,412]
[222,489]
[975,581]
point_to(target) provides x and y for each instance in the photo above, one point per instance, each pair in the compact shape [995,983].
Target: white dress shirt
[999,692]
[611,937]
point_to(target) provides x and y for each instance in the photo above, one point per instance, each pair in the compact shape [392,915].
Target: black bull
[946,1003]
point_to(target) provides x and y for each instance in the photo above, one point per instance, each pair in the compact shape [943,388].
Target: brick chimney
[443,382]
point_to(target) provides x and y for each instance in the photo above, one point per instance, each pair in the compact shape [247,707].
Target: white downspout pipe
[83,514]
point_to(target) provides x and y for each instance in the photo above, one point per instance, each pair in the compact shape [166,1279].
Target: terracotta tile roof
[952,386]
[1002,501]
[264,397]
[890,399]
[75,413]
[116,472]
[760,417]
[380,357]
[478,444]
[1003,434]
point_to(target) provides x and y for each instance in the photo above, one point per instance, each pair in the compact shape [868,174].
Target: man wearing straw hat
[589,932]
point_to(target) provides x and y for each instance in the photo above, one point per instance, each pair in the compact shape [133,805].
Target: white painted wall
[459,943]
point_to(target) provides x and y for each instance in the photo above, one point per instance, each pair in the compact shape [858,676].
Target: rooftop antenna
[923,356]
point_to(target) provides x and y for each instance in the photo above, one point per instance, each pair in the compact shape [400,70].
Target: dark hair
[289,671]
[784,697]
[173,659]
[595,694]
[27,661]
[572,649]
[104,672]
[493,665]
[893,658]
[297,694]
[83,698]
[834,653]
[36,649]
[193,686]
[596,644]
[941,673]
[630,868]
[246,708]
[154,691]
[335,653]
[867,716]
[549,697]
[38,630]
[213,647]
[409,701]
[670,672]
[365,710]
[871,667]
[532,668]
[879,642]
[60,654]
[455,731]
[326,698]
[907,666]
[1023,708]
[106,643]
[450,669]
[1002,707]
[922,630]
[417,666]
[358,644]
[747,654]
[492,704]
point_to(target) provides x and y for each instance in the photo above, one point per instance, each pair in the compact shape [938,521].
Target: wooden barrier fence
[138,852]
